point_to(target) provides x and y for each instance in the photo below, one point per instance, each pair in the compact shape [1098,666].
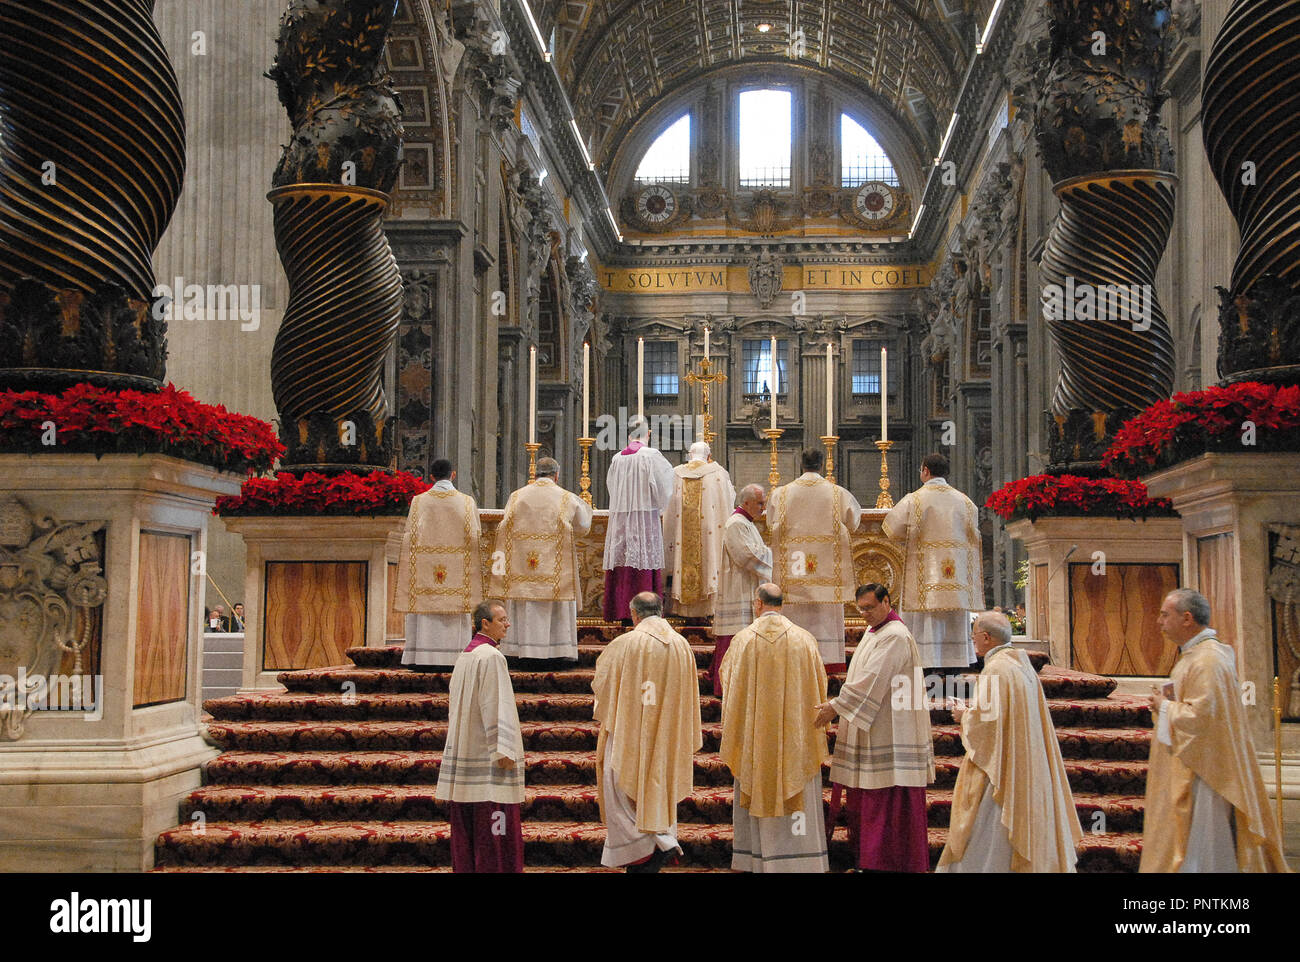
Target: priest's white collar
[766,613]
[444,485]
[994,651]
[937,481]
[1203,635]
[810,476]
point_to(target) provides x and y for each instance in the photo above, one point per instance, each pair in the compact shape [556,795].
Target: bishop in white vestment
[811,521]
[535,566]
[640,482]
[943,580]
[701,502]
[439,572]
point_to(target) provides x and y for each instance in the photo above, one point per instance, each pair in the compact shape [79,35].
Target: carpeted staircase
[331,776]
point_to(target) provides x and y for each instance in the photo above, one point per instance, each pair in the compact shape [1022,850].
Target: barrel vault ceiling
[619,57]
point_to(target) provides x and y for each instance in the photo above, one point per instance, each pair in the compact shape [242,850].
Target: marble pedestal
[1137,556]
[314,587]
[84,791]
[1228,503]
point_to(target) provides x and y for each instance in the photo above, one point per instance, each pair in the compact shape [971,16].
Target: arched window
[861,158]
[765,138]
[668,161]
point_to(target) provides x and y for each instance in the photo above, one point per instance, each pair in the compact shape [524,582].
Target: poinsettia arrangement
[1068,495]
[1248,417]
[86,419]
[375,493]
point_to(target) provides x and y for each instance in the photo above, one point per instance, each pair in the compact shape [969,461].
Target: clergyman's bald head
[699,451]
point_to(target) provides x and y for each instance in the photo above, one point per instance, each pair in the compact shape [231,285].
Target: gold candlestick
[884,501]
[584,482]
[829,440]
[774,475]
[707,379]
[533,447]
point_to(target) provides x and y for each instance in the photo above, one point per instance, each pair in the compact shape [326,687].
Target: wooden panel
[1214,563]
[314,612]
[396,627]
[1113,619]
[162,618]
[1038,598]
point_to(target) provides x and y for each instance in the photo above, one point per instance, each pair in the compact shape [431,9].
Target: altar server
[482,770]
[640,482]
[648,705]
[746,563]
[1206,808]
[772,682]
[1012,809]
[439,572]
[535,567]
[884,755]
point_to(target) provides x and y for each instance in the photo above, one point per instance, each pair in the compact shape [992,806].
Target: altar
[315,590]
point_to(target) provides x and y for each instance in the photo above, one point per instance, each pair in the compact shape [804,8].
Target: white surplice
[782,843]
[640,485]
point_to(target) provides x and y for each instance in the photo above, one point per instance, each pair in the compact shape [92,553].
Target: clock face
[656,204]
[874,201]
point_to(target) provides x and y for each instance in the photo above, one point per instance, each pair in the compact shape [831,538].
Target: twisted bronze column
[1251,101]
[1097,121]
[330,194]
[92,157]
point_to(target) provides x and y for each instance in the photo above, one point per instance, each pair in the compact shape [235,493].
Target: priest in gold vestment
[700,505]
[439,572]
[1012,808]
[648,705]
[772,682]
[1206,808]
[943,579]
[811,523]
[535,567]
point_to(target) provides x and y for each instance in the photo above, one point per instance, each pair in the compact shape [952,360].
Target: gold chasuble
[648,705]
[772,682]
[944,570]
[1207,725]
[1011,745]
[535,539]
[811,521]
[701,503]
[439,570]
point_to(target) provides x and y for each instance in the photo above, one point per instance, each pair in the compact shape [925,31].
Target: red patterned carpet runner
[314,779]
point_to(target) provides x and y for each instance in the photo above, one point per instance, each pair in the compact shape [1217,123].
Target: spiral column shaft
[1108,239]
[92,159]
[1251,101]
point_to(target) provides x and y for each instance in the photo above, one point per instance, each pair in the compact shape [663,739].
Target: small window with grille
[866,368]
[661,368]
[862,160]
[757,358]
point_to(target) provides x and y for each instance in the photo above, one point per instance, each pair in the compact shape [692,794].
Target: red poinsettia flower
[95,420]
[373,493]
[1241,417]
[1067,495]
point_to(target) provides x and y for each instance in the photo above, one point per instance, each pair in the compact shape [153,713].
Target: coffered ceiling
[618,57]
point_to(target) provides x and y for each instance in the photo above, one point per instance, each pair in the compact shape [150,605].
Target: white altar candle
[586,388]
[884,395]
[830,392]
[706,344]
[776,382]
[640,380]
[532,395]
